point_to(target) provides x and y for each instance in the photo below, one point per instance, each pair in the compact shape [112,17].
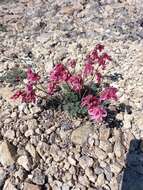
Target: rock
[91,176]
[65,187]
[56,153]
[10,134]
[104,133]
[31,149]
[9,186]
[2,177]
[29,133]
[37,177]
[35,110]
[114,184]
[106,146]
[72,161]
[83,180]
[29,186]
[7,154]
[116,168]
[7,93]
[118,149]
[7,120]
[128,118]
[139,121]
[99,153]
[100,180]
[80,135]
[32,124]
[85,162]
[25,162]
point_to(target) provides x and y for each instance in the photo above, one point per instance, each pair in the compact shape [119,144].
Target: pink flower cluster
[94,103]
[28,95]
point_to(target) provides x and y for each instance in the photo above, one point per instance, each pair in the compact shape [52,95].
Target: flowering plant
[82,93]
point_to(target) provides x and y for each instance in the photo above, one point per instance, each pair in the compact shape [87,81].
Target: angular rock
[85,162]
[37,177]
[10,134]
[9,186]
[2,177]
[104,133]
[116,168]
[25,162]
[29,186]
[7,153]
[118,148]
[106,146]
[80,135]
[31,149]
[99,153]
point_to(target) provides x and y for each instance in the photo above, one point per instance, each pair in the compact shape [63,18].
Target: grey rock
[25,162]
[38,177]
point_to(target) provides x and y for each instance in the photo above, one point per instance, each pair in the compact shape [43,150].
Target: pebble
[37,177]
[10,134]
[25,162]
[99,153]
[85,162]
[29,186]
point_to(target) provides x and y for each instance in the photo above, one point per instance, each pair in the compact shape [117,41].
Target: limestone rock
[29,186]
[24,161]
[80,135]
[7,153]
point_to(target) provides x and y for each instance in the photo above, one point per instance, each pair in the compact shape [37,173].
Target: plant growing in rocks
[83,93]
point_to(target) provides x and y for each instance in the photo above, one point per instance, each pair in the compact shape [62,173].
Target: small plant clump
[82,92]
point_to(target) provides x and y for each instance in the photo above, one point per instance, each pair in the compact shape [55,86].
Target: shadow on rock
[133,173]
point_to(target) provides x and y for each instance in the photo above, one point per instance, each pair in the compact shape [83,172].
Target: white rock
[100,180]
[72,161]
[9,186]
[7,154]
[10,134]
[24,162]
[80,135]
[116,168]
[31,149]
[99,153]
[85,162]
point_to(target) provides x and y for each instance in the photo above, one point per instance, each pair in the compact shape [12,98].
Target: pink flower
[103,60]
[52,87]
[32,77]
[97,113]
[88,69]
[59,73]
[28,95]
[99,47]
[76,82]
[98,77]
[17,94]
[72,63]
[89,101]
[109,93]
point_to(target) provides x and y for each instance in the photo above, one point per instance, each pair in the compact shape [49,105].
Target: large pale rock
[9,186]
[29,186]
[7,154]
[80,135]
[7,93]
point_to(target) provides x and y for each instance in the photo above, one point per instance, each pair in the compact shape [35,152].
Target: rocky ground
[45,150]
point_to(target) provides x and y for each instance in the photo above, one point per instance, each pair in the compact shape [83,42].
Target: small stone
[72,161]
[29,133]
[127,121]
[100,180]
[56,153]
[2,177]
[89,173]
[9,186]
[24,161]
[118,149]
[7,121]
[83,180]
[116,168]
[80,135]
[65,187]
[85,162]
[32,124]
[31,149]
[35,110]
[104,133]
[7,154]
[100,153]
[29,186]
[106,146]
[37,177]
[10,134]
